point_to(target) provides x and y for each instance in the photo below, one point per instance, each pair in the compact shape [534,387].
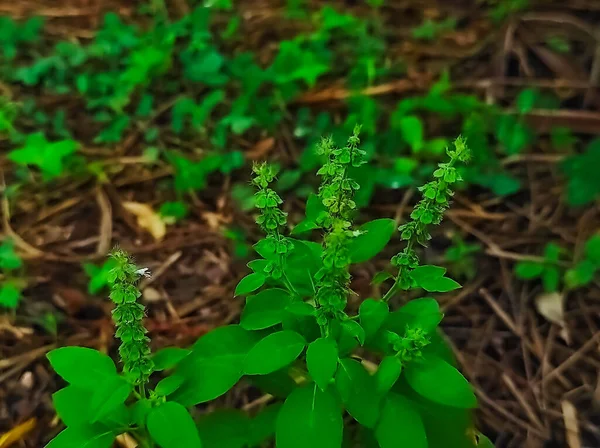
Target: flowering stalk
[271,219]
[336,193]
[134,350]
[429,210]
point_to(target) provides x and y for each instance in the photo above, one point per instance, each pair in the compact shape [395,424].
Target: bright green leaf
[373,238]
[250,283]
[82,367]
[322,361]
[372,313]
[387,374]
[396,411]
[274,352]
[168,357]
[358,391]
[171,426]
[265,309]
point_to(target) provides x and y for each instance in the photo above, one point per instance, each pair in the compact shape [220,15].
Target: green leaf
[168,385]
[358,392]
[421,313]
[71,406]
[274,352]
[262,426]
[224,428]
[9,260]
[301,309]
[309,417]
[322,361]
[581,274]
[355,330]
[108,396]
[527,99]
[372,313]
[250,283]
[528,269]
[84,436]
[140,411]
[431,278]
[583,181]
[387,374]
[214,366]
[48,157]
[10,295]
[168,357]
[551,279]
[381,277]
[82,367]
[412,432]
[265,309]
[592,249]
[438,381]
[98,275]
[171,426]
[373,238]
[513,134]
[411,129]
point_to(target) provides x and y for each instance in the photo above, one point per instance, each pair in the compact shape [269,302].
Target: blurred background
[136,123]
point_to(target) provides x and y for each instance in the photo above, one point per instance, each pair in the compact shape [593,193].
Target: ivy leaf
[322,361]
[438,381]
[168,357]
[214,366]
[399,409]
[274,352]
[309,417]
[372,313]
[265,309]
[48,157]
[250,283]
[82,367]
[171,426]
[358,392]
[373,237]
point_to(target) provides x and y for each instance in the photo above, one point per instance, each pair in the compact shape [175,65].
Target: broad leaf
[358,392]
[265,309]
[171,426]
[274,352]
[400,424]
[322,361]
[309,417]
[387,374]
[169,357]
[84,436]
[431,278]
[438,381]
[82,367]
[72,405]
[421,313]
[250,283]
[372,313]
[226,428]
[108,396]
[262,426]
[215,364]
[374,237]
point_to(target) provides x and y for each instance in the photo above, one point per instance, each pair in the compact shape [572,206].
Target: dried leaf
[17,433]
[147,219]
[551,306]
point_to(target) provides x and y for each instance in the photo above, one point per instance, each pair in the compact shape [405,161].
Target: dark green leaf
[262,426]
[372,313]
[358,392]
[438,381]
[381,277]
[309,417]
[387,374]
[265,309]
[274,352]
[82,367]
[226,428]
[355,330]
[411,433]
[322,360]
[171,426]
[374,237]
